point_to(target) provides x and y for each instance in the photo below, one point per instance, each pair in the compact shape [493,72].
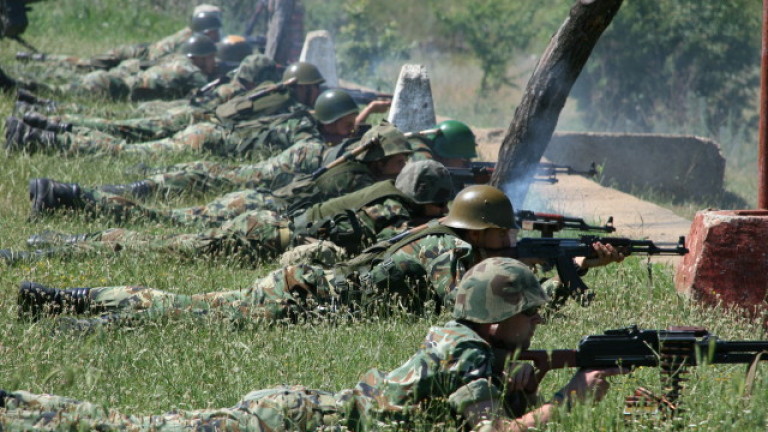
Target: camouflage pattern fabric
[335,182]
[495,289]
[161,120]
[452,370]
[263,138]
[421,148]
[152,52]
[173,78]
[147,128]
[424,270]
[274,410]
[302,158]
[255,235]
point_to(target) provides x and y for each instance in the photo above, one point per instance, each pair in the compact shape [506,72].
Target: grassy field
[185,363]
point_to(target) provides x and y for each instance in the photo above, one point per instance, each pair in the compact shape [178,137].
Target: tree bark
[537,115]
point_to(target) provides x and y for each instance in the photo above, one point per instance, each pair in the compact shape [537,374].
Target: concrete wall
[675,165]
[680,166]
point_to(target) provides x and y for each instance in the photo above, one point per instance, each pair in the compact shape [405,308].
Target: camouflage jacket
[168,45]
[174,78]
[452,370]
[421,267]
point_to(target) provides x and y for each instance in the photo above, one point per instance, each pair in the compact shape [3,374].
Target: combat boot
[23,95]
[6,83]
[28,56]
[48,239]
[138,189]
[20,136]
[47,194]
[40,121]
[35,300]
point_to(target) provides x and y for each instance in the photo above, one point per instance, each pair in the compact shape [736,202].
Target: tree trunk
[536,116]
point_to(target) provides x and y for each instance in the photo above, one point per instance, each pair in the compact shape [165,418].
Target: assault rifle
[673,350]
[559,252]
[202,91]
[364,97]
[271,89]
[481,172]
[345,157]
[548,223]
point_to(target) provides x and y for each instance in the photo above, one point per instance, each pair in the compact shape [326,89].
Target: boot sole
[39,193]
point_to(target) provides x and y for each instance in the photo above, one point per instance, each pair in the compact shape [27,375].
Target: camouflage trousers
[294,292]
[212,214]
[174,119]
[270,174]
[204,136]
[294,408]
[254,236]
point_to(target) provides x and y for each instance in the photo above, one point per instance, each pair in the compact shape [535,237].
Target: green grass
[188,363]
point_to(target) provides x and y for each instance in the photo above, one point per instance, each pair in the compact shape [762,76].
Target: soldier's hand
[521,377]
[606,254]
[589,383]
[379,106]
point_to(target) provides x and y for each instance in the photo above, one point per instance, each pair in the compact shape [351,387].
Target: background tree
[492,30]
[674,65]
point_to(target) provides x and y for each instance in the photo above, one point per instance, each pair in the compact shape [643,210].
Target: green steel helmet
[205,21]
[334,104]
[496,289]
[255,69]
[455,140]
[305,74]
[479,207]
[391,142]
[199,45]
[233,49]
[426,182]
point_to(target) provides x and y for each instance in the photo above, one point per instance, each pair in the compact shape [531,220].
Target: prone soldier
[461,365]
[415,270]
[352,221]
[383,153]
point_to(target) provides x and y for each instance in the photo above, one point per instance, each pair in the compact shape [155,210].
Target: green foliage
[492,30]
[365,32]
[670,65]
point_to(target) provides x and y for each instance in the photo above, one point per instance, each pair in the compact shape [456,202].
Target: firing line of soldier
[359,213]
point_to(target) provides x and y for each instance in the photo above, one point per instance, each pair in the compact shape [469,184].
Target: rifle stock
[345,157]
[271,89]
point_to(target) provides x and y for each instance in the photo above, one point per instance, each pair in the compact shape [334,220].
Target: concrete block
[412,108]
[319,50]
[728,259]
[678,166]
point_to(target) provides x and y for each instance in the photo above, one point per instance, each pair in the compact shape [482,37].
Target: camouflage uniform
[453,369]
[345,178]
[417,272]
[353,221]
[266,133]
[172,78]
[148,52]
[163,119]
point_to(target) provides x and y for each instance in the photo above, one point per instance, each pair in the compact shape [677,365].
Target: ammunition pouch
[335,228]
